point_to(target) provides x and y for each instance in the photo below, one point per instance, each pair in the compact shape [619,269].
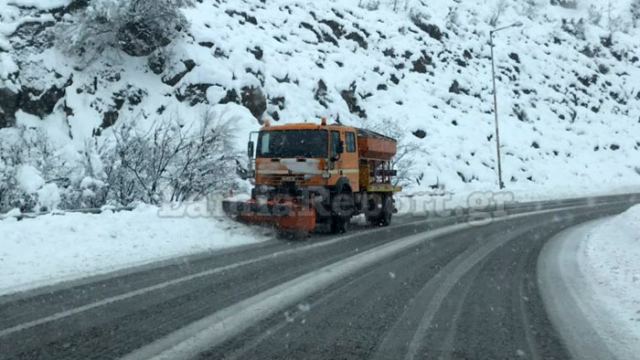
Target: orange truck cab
[307,175]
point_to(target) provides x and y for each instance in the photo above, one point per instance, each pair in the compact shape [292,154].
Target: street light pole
[495,111]
[495,100]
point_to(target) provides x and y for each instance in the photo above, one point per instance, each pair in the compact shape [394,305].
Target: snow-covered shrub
[170,162]
[635,12]
[136,27]
[568,4]
[85,190]
[19,182]
[595,15]
[531,8]
[400,5]
[34,176]
[496,14]
[91,193]
[574,28]
[49,197]
[370,5]
[36,149]
[453,19]
[395,5]
[11,194]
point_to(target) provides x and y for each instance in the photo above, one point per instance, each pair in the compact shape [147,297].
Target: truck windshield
[293,143]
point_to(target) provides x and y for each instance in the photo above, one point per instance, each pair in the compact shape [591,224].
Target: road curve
[421,289]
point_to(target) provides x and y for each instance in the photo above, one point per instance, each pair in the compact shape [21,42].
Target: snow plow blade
[287,217]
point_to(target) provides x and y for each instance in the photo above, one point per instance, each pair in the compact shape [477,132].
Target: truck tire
[343,207]
[380,210]
[387,212]
[292,235]
[339,225]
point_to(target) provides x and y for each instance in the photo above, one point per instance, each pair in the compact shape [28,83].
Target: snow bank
[51,249]
[610,259]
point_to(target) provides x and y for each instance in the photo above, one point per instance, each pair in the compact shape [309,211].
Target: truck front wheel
[342,210]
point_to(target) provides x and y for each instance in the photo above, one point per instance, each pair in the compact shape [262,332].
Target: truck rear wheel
[387,213]
[339,225]
[380,210]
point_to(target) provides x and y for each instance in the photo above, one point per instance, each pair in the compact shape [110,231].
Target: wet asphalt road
[468,293]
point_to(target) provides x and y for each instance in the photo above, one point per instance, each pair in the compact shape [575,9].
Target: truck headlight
[326,175]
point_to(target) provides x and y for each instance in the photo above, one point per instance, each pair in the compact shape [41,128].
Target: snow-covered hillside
[567,86]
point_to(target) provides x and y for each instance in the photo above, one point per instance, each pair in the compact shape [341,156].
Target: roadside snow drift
[589,278]
[55,248]
[610,258]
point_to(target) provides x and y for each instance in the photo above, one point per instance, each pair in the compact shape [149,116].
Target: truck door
[347,165]
[335,140]
[350,160]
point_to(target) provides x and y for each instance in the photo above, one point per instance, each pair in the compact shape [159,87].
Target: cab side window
[335,140]
[351,142]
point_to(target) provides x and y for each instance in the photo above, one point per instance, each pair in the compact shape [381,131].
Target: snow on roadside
[609,257]
[53,248]
[437,202]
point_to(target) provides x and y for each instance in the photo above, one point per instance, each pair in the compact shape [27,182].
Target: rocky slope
[568,82]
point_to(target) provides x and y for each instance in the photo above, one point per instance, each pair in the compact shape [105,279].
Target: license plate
[289,179]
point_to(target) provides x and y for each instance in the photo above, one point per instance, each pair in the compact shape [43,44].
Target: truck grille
[275,180]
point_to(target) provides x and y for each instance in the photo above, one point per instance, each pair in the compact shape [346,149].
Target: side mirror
[251,149]
[339,151]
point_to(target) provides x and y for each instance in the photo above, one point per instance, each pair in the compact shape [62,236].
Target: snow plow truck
[308,176]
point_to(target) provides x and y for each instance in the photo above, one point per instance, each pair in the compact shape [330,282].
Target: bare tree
[208,162]
[165,162]
[136,165]
[170,162]
[497,12]
[409,150]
